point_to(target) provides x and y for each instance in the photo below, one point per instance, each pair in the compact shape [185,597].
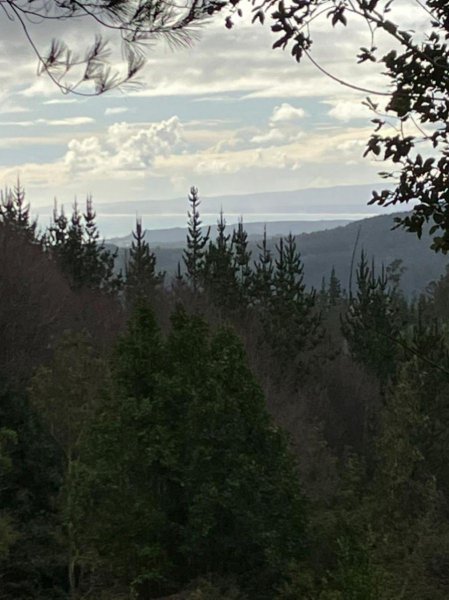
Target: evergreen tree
[98,261]
[410,490]
[123,517]
[219,269]
[66,240]
[294,321]
[334,290]
[193,255]
[242,258]
[8,535]
[262,277]
[76,245]
[188,447]
[141,276]
[15,211]
[373,322]
[65,395]
[32,553]
[438,296]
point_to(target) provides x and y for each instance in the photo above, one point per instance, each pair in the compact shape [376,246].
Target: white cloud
[282,126]
[286,113]
[115,110]
[61,101]
[125,147]
[67,122]
[346,110]
[272,136]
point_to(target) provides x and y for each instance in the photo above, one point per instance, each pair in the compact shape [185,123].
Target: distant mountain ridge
[177,235]
[322,250]
[346,202]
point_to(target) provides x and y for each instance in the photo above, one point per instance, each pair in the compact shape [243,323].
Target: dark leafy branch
[416,67]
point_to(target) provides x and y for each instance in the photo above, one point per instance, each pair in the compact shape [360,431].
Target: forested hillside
[227,433]
[331,248]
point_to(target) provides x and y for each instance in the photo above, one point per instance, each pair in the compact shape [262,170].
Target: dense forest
[325,246]
[229,434]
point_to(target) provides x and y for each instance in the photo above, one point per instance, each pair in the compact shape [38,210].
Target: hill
[322,250]
[346,202]
[176,236]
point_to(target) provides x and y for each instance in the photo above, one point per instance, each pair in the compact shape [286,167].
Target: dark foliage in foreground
[141,443]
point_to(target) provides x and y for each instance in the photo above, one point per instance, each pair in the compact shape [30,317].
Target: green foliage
[220,272]
[83,258]
[30,563]
[208,479]
[215,588]
[15,212]
[7,533]
[241,261]
[155,469]
[282,303]
[373,321]
[141,276]
[262,278]
[65,395]
[334,290]
[193,255]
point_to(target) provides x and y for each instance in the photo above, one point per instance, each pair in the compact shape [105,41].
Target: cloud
[286,113]
[67,122]
[347,110]
[115,110]
[272,136]
[282,126]
[125,147]
[61,101]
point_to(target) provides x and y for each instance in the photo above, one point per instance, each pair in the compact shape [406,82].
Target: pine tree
[262,277]
[242,258]
[65,395]
[294,320]
[243,509]
[373,321]
[334,290]
[219,270]
[15,211]
[141,276]
[76,245]
[410,490]
[122,490]
[98,261]
[65,242]
[8,535]
[193,255]
[186,445]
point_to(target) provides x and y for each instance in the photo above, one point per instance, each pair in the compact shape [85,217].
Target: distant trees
[373,322]
[141,276]
[15,211]
[75,244]
[197,240]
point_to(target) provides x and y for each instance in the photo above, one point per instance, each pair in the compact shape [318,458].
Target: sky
[228,114]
